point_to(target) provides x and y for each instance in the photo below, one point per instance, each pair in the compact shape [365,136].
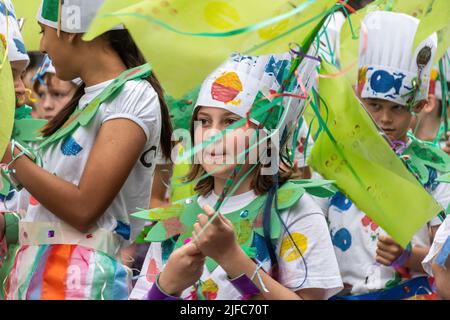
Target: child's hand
[218,240]
[388,250]
[183,269]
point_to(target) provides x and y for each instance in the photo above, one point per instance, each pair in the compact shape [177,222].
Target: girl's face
[221,157]
[62,51]
[54,96]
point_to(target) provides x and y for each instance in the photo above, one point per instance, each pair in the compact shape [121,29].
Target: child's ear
[421,105]
[429,105]
[71,37]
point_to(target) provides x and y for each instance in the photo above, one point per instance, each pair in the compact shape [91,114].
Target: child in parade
[393,82]
[238,256]
[96,164]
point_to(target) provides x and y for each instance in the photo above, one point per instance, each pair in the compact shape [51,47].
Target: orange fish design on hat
[227,87]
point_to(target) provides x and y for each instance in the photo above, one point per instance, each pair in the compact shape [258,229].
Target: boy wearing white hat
[429,125]
[393,82]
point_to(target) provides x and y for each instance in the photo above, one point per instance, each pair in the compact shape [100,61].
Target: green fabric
[50,10]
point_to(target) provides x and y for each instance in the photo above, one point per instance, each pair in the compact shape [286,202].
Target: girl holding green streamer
[197,253]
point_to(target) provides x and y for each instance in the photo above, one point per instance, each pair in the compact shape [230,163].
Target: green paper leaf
[175,210]
[289,194]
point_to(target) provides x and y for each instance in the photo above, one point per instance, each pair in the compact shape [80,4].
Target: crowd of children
[92,146]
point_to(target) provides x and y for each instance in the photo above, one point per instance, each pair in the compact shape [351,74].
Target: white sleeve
[442,195]
[139,103]
[441,236]
[318,268]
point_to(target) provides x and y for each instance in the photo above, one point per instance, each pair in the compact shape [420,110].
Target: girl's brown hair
[121,42]
[260,183]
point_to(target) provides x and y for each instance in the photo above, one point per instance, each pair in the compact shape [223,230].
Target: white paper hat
[243,80]
[389,67]
[47,67]
[76,15]
[10,33]
[330,37]
[435,83]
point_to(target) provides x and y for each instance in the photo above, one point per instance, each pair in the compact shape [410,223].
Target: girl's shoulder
[137,101]
[139,88]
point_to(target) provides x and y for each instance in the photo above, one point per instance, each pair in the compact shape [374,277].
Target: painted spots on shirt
[70,147]
[342,239]
[340,201]
[290,251]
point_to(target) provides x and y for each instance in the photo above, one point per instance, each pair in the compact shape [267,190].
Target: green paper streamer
[353,153]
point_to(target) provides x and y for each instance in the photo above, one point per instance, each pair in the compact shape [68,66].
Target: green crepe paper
[181,216]
[206,32]
[425,154]
[353,153]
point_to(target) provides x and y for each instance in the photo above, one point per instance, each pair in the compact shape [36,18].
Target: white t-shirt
[439,239]
[354,237]
[67,159]
[308,227]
